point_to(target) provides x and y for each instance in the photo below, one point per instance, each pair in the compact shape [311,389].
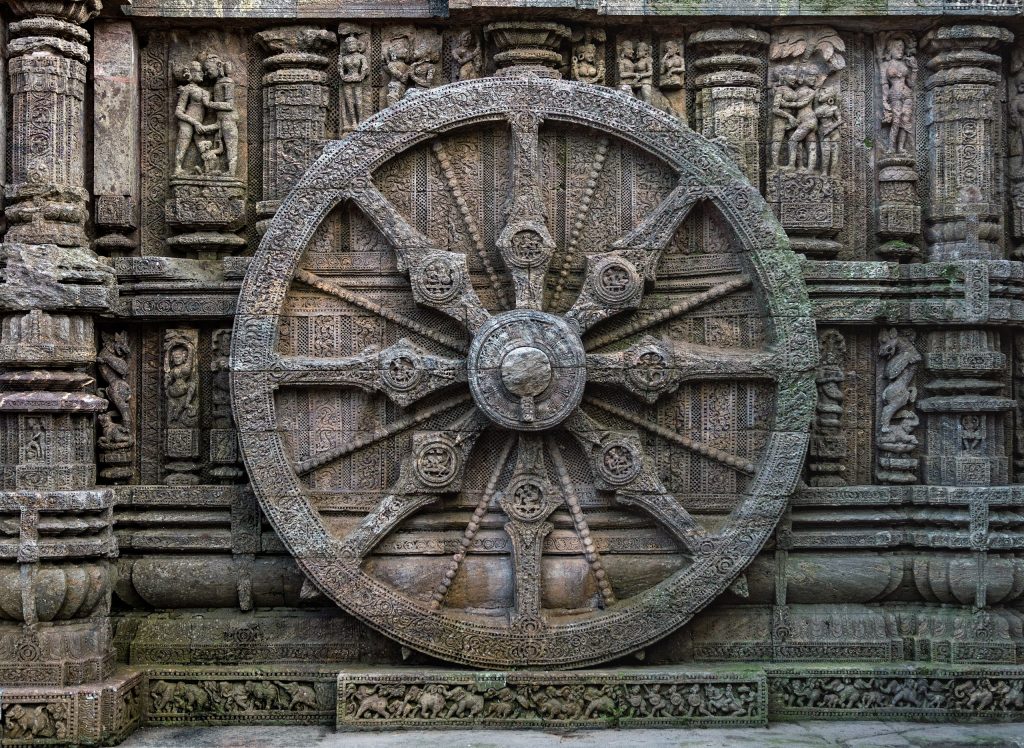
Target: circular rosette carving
[523,371]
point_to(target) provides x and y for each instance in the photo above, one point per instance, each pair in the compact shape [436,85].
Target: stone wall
[341,344]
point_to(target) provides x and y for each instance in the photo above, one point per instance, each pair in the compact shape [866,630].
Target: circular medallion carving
[478,477]
[527,369]
[617,280]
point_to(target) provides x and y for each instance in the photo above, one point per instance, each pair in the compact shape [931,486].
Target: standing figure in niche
[585,66]
[396,62]
[190,111]
[223,103]
[627,74]
[1017,115]
[354,70]
[783,101]
[35,447]
[673,67]
[829,120]
[643,85]
[899,79]
[468,57]
[180,384]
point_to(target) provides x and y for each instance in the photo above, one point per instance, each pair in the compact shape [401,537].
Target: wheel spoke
[395,427]
[334,289]
[525,243]
[403,372]
[572,501]
[441,591]
[639,324]
[439,278]
[713,453]
[651,368]
[614,279]
[620,464]
[434,467]
[528,501]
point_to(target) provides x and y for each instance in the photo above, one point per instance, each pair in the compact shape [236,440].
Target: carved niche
[483,473]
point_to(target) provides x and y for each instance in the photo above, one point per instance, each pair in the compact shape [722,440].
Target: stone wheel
[516,372]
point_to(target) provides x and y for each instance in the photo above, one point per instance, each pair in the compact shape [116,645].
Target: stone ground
[781,734]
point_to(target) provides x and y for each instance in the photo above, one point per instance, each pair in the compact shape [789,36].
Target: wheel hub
[527,369]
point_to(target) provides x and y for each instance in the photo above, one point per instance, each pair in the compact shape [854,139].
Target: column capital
[72,11]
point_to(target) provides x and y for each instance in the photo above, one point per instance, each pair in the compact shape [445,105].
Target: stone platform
[382,699]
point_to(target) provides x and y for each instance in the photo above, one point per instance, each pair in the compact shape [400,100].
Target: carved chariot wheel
[467,384]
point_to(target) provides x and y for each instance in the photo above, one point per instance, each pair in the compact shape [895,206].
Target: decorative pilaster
[295,97]
[963,129]
[730,81]
[966,409]
[827,451]
[48,53]
[115,135]
[899,209]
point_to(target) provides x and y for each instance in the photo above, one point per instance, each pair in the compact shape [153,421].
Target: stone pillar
[295,97]
[730,84]
[115,135]
[47,57]
[57,560]
[963,101]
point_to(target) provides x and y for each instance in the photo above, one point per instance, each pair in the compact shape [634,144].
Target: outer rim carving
[631,623]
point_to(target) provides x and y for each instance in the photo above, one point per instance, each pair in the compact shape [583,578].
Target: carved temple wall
[341,344]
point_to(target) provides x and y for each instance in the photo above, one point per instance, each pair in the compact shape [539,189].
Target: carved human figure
[422,70]
[1016,111]
[586,68]
[210,154]
[180,384]
[784,97]
[972,432]
[803,141]
[468,57]
[829,118]
[673,67]
[643,72]
[190,111]
[396,63]
[35,444]
[627,67]
[354,70]
[897,417]
[899,79]
[223,103]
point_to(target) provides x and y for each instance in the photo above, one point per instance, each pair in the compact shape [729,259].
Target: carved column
[730,81]
[963,129]
[47,54]
[57,557]
[294,108]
